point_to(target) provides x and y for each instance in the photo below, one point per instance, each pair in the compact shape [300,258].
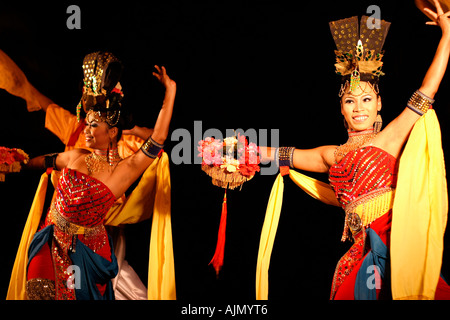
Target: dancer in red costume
[73,233]
[69,128]
[365,173]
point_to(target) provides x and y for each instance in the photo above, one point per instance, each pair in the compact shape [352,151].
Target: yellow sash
[419,213]
[316,189]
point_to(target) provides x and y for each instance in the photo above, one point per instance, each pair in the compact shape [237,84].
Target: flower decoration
[229,163]
[10,160]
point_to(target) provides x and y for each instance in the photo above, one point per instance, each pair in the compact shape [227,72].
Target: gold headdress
[102,91]
[359,49]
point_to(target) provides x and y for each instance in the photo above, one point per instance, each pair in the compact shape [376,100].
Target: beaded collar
[356,139]
[98,160]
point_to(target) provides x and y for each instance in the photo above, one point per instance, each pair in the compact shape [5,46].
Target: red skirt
[349,265]
[43,267]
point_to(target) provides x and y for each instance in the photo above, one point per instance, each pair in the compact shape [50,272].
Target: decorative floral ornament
[359,61]
[229,163]
[10,160]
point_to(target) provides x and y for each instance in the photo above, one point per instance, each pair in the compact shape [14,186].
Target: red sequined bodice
[82,199]
[362,171]
[77,214]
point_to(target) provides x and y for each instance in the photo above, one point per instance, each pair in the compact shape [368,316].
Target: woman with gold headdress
[390,182]
[71,257]
[102,73]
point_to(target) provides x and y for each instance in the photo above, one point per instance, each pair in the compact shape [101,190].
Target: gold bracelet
[285,156]
[419,103]
[151,148]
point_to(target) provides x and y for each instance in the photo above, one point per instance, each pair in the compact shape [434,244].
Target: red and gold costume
[77,215]
[138,206]
[82,230]
[364,182]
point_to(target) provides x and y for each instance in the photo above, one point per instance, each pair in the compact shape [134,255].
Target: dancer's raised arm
[394,136]
[132,167]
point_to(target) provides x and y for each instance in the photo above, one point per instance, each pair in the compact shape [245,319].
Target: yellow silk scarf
[419,214]
[16,290]
[152,195]
[316,189]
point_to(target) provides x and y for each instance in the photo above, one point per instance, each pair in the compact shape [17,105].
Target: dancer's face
[98,133]
[360,107]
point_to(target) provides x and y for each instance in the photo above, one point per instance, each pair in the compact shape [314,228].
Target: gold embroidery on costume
[362,211]
[40,289]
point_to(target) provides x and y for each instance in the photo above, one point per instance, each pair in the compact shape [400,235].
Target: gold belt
[71,228]
[367,208]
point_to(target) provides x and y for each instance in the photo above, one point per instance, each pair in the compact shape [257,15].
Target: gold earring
[378,123]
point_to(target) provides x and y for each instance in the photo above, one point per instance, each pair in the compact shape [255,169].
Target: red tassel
[217,260]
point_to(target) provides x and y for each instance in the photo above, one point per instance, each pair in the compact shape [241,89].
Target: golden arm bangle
[285,156]
[419,103]
[151,148]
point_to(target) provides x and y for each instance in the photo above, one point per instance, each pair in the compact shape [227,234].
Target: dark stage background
[262,65]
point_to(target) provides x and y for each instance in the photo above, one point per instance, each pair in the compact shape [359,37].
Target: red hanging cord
[217,260]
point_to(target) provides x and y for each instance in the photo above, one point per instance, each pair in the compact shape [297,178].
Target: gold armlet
[420,103]
[285,156]
[151,148]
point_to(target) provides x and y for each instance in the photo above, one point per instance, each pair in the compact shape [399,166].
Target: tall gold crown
[359,48]
[102,91]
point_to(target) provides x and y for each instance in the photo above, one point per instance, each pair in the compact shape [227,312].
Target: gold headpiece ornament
[102,91]
[359,49]
[97,79]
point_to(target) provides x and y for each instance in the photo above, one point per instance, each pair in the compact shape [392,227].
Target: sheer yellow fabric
[161,270]
[419,213]
[316,189]
[16,290]
[152,195]
[62,123]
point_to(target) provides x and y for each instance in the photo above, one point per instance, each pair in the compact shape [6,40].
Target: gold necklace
[99,160]
[356,139]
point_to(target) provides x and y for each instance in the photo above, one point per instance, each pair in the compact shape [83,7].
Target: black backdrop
[261,65]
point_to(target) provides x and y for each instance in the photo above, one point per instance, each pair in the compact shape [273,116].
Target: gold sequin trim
[95,237]
[367,208]
[40,289]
